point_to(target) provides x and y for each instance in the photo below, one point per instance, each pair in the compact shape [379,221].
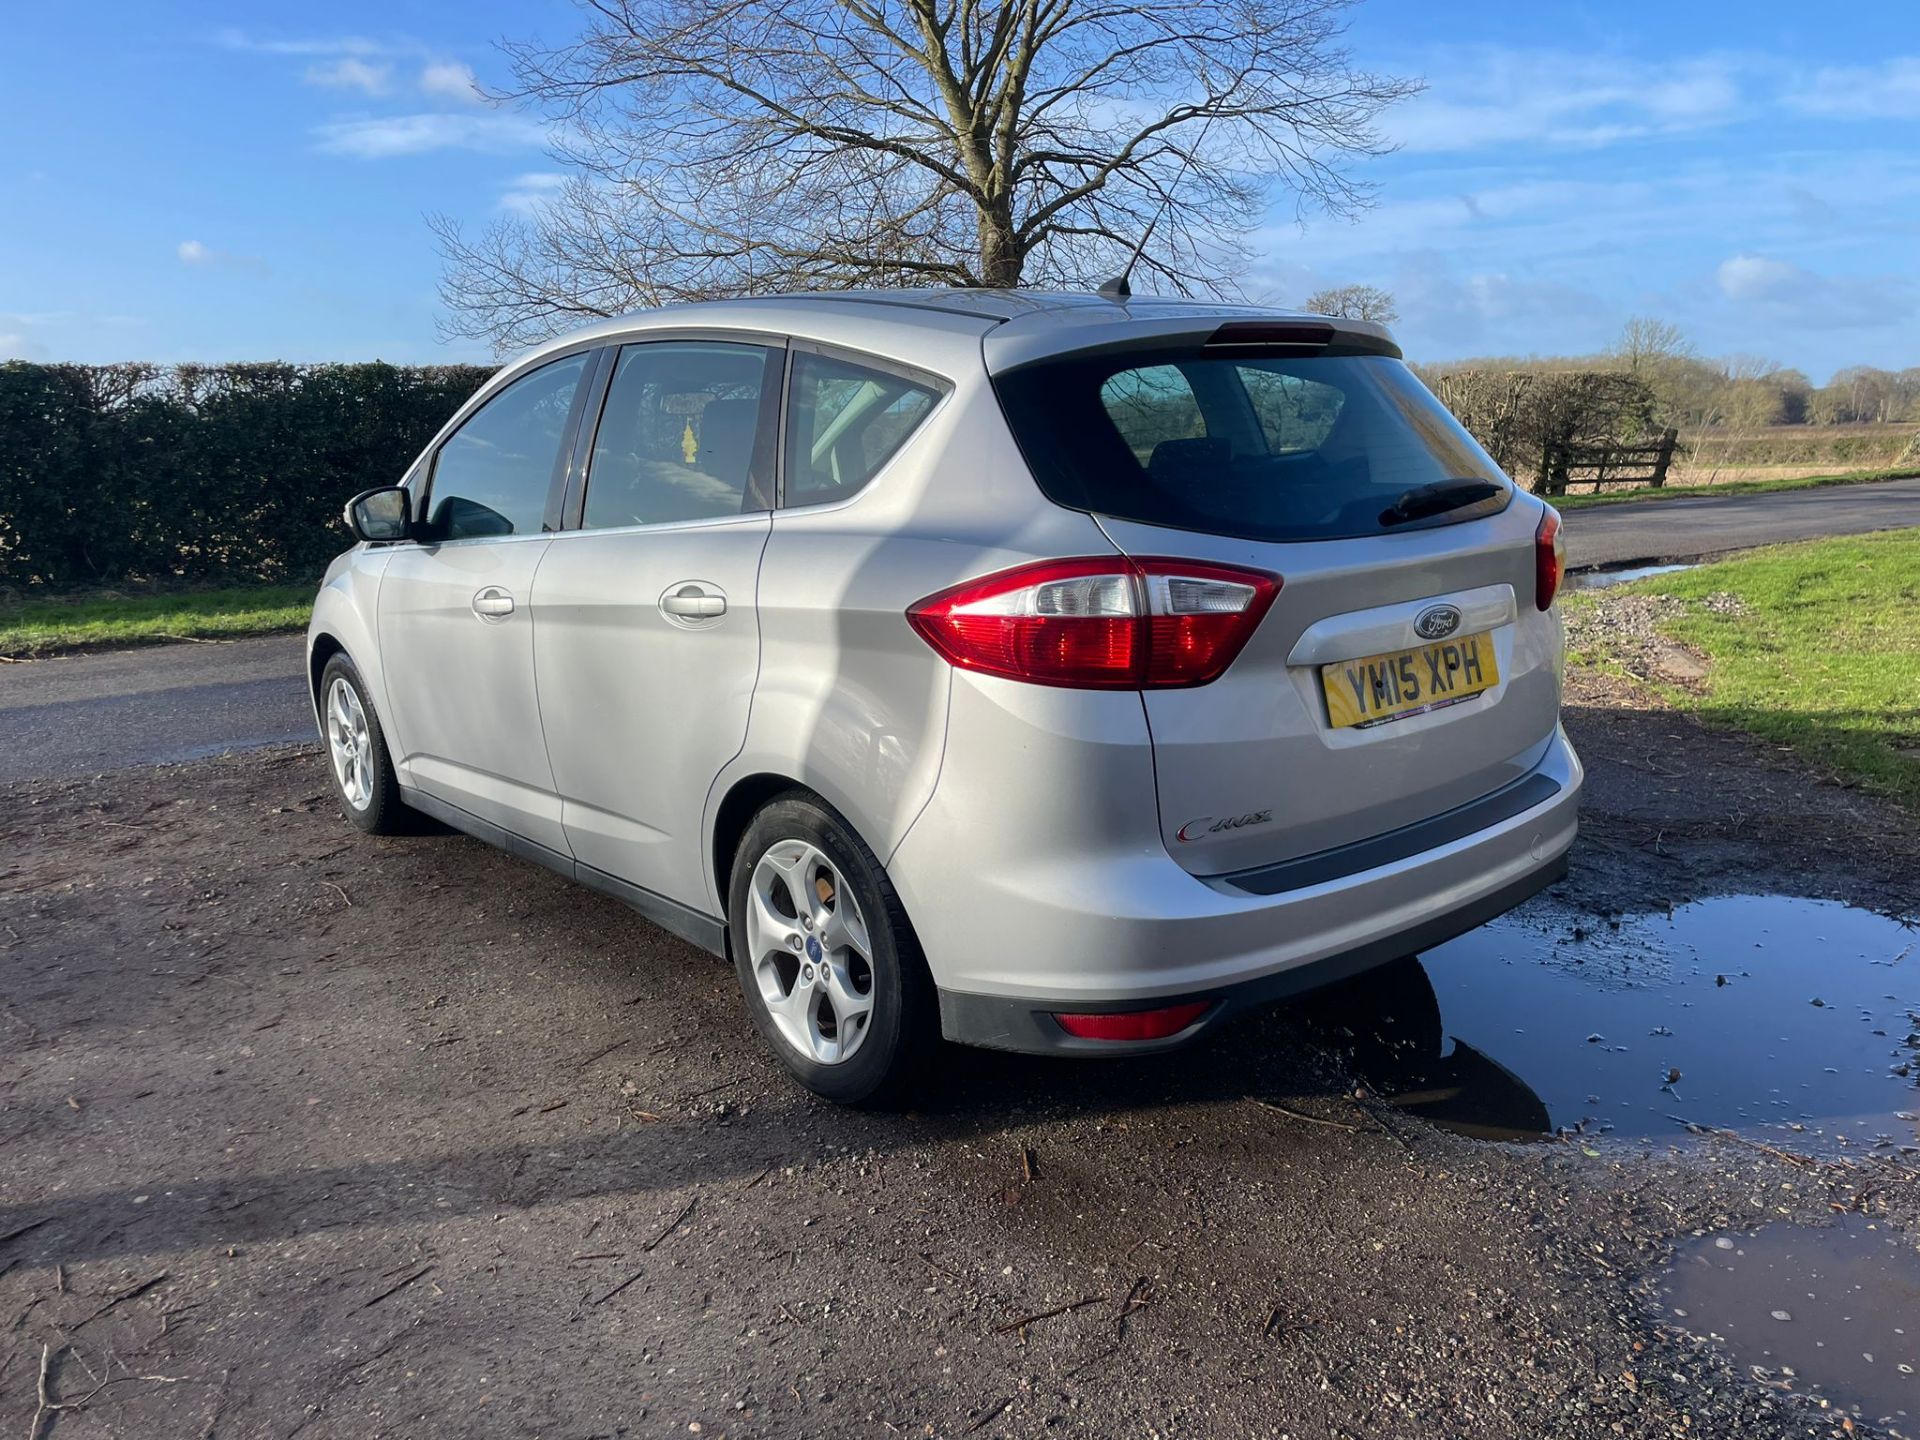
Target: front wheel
[829,965]
[363,774]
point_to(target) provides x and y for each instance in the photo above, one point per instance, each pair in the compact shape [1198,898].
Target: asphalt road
[170,703]
[1682,529]
[87,713]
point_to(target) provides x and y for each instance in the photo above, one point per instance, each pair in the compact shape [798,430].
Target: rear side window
[679,435]
[492,475]
[1280,448]
[844,421]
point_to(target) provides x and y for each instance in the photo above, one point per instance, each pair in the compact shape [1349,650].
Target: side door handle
[492,603]
[693,601]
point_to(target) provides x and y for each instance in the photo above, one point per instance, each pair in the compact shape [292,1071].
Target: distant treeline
[1692,392]
[234,472]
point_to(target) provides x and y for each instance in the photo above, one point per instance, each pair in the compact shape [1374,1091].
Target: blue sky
[249,181]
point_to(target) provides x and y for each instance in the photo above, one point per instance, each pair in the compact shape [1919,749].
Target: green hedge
[196,472]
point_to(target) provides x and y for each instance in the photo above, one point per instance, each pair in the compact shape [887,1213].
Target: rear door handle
[693,601]
[492,603]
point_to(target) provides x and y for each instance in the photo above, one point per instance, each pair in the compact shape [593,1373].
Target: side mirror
[384,513]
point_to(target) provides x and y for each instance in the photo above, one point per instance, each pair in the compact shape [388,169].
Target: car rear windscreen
[1262,448]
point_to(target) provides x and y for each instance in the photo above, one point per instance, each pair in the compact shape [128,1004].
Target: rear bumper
[1114,932]
[999,1022]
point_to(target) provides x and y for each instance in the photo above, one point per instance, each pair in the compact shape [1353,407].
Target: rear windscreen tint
[1235,444]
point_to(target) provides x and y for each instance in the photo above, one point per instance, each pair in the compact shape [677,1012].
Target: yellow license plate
[1407,682]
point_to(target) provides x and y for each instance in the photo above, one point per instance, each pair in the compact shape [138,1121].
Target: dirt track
[349,1137]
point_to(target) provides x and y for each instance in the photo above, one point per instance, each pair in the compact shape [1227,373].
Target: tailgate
[1251,769]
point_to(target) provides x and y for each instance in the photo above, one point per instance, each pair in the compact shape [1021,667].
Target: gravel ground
[303,1133]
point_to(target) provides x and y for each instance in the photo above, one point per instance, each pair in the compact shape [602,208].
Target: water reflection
[1746,1012]
[1833,1310]
[1603,579]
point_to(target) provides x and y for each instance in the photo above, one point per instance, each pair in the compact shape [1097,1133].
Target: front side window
[493,474]
[679,435]
[844,421]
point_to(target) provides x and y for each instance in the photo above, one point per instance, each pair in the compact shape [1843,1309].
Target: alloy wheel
[351,744]
[812,958]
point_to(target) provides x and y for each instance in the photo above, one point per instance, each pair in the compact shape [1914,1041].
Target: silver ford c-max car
[1057,673]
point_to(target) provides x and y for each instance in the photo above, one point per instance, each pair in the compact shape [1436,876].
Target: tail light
[1107,623]
[1549,558]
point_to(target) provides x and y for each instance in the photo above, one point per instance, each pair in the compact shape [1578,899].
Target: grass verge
[1815,646]
[1730,487]
[97,620]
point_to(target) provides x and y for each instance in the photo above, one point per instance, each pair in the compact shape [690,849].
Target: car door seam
[709,808]
[539,707]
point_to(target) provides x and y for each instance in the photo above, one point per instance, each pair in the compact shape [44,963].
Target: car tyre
[828,962]
[363,776]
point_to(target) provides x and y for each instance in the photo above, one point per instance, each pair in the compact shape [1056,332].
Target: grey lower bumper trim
[998,1022]
[1442,829]
[689,924]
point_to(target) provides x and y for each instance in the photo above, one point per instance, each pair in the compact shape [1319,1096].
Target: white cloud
[1755,277]
[234,39]
[1794,294]
[349,72]
[14,346]
[1492,95]
[526,194]
[1887,91]
[1482,97]
[387,136]
[199,254]
[450,79]
[1498,308]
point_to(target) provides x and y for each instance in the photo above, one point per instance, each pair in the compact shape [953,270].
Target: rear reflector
[1134,1024]
[1101,623]
[1549,558]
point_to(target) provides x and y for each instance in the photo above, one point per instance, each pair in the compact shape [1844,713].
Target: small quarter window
[844,421]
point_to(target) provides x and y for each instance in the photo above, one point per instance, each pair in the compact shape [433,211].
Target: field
[1788,453]
[1809,646]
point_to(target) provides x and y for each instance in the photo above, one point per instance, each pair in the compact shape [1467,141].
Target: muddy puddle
[1797,1019]
[1832,1311]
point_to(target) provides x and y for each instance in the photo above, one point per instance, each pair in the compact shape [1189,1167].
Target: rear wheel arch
[743,800]
[746,798]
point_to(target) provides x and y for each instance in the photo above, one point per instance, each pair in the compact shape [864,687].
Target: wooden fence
[1597,465]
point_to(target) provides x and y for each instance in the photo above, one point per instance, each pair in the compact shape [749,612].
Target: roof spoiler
[1304,337]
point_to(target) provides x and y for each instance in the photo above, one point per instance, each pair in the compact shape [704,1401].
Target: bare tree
[724,147]
[1353,302]
[1646,343]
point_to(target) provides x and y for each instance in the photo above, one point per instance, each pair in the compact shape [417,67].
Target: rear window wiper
[1425,501]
